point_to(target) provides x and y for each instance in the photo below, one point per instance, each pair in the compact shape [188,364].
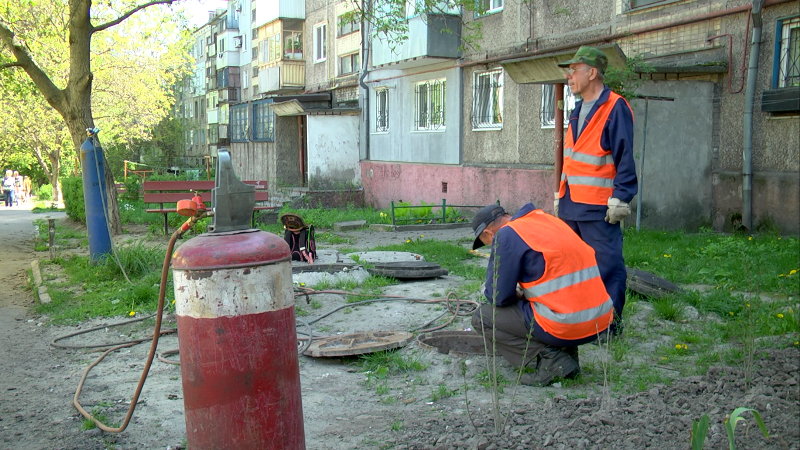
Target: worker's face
[486,236]
[578,76]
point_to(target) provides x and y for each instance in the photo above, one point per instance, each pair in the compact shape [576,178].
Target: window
[253,15]
[240,126]
[640,3]
[382,110]
[237,41]
[213,134]
[221,45]
[255,33]
[429,105]
[548,111]
[787,61]
[263,122]
[273,48]
[489,7]
[487,100]
[293,45]
[320,42]
[346,27]
[255,71]
[202,107]
[255,53]
[349,64]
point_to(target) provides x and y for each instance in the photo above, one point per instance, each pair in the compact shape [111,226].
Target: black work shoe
[554,363]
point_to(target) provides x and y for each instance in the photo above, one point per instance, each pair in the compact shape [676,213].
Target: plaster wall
[333,151]
[521,140]
[385,182]
[402,142]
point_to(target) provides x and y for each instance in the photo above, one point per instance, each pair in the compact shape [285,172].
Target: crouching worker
[547,286]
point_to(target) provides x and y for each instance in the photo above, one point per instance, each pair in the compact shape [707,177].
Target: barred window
[240,124]
[429,105]
[548,111]
[789,53]
[263,122]
[487,100]
[382,110]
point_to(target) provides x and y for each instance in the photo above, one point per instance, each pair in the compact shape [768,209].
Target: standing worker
[545,292]
[598,180]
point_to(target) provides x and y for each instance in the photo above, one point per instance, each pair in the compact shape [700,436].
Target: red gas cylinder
[238,346]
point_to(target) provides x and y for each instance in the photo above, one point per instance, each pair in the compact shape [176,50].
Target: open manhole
[358,343]
[456,343]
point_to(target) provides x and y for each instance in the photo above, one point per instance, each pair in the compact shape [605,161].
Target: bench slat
[192,185]
[174,197]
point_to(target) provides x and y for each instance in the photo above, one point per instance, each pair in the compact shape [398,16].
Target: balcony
[279,9]
[285,76]
[426,43]
[213,115]
[229,95]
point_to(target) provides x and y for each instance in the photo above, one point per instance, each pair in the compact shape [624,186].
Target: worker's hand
[617,210]
[520,293]
[555,205]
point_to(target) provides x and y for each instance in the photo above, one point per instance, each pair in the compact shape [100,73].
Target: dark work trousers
[606,240]
[511,335]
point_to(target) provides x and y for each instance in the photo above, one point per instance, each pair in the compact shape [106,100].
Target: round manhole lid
[408,269]
[358,343]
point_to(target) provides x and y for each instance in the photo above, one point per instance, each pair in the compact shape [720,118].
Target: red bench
[171,192]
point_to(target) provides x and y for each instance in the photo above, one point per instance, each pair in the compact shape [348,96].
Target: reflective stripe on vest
[588,168]
[569,301]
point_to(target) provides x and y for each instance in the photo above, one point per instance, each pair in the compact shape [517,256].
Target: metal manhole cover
[408,270]
[455,343]
[650,285]
[358,343]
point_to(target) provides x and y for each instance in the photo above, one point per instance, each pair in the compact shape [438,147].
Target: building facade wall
[333,151]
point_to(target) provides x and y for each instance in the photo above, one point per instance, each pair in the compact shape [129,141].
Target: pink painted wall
[384,182]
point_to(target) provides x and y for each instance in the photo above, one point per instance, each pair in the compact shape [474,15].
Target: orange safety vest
[588,167]
[569,301]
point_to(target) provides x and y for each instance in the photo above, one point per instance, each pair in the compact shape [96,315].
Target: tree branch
[7,65]
[130,13]
[51,92]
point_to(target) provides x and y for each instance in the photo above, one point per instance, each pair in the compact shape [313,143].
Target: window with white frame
[382,110]
[788,57]
[430,105]
[548,111]
[320,42]
[488,7]
[272,48]
[487,100]
[349,64]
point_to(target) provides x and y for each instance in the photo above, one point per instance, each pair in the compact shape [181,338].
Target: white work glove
[555,204]
[617,210]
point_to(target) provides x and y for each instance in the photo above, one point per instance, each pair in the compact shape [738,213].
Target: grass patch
[669,308]
[391,363]
[486,380]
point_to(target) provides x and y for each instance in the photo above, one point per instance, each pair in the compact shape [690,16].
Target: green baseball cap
[589,56]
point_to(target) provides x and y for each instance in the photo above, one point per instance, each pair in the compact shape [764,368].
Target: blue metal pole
[94,188]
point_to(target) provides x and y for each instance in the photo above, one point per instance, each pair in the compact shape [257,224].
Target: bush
[44,192]
[132,187]
[72,190]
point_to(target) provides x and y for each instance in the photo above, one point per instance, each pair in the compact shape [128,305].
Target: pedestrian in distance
[18,188]
[26,188]
[8,188]
[545,288]
[598,180]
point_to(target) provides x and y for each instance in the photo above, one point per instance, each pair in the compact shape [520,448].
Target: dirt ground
[342,410]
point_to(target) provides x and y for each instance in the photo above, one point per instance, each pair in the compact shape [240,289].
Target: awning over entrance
[287,108]
[308,104]
[544,68]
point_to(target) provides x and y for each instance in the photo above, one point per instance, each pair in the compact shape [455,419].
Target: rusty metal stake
[51,224]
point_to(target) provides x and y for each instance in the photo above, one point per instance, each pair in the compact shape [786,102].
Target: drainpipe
[364,64]
[749,100]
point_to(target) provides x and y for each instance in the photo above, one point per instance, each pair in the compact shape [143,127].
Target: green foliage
[699,432]
[669,308]
[45,192]
[132,187]
[735,417]
[487,380]
[390,362]
[72,190]
[626,80]
[442,391]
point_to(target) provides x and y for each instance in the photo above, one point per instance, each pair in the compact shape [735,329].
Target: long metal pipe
[559,133]
[749,101]
[364,72]
[594,40]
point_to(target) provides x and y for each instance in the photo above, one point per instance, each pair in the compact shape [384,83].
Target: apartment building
[692,162]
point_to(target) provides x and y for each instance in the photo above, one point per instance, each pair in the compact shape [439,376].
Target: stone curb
[352,225]
[41,289]
[433,226]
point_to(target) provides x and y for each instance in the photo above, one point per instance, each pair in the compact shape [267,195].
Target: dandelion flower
[173,302]
[302,284]
[408,241]
[780,316]
[793,271]
[667,255]
[685,347]
[750,238]
[781,275]
[748,305]
[678,346]
[663,357]
[731,313]
[421,235]
[132,313]
[796,342]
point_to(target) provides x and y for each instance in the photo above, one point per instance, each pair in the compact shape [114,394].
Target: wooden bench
[171,192]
